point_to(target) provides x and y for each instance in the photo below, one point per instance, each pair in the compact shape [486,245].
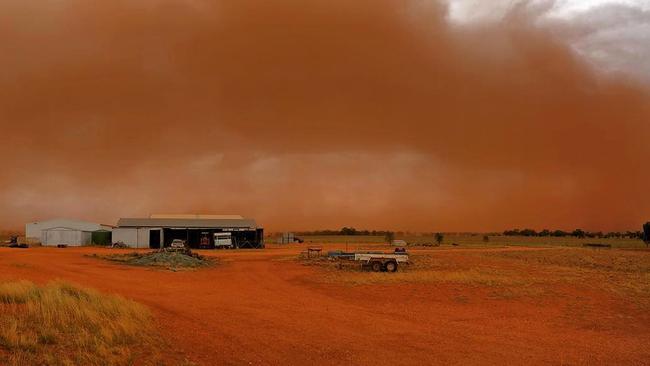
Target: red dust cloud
[304,115]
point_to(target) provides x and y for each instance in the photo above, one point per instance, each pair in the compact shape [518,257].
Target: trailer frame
[381,262]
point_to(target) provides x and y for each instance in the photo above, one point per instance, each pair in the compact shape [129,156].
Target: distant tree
[513,232]
[390,236]
[545,232]
[486,238]
[439,238]
[528,232]
[578,233]
[629,234]
[559,233]
[348,231]
[646,233]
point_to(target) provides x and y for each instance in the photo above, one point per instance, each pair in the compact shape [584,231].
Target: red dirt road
[255,308]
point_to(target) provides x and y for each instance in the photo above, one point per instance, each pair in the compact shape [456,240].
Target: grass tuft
[61,324]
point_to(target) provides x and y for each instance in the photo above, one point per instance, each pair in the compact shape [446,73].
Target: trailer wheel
[391,266]
[376,266]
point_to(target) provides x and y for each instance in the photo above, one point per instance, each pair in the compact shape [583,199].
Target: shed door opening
[154,239]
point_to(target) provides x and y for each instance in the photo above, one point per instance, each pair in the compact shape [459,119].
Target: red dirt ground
[255,308]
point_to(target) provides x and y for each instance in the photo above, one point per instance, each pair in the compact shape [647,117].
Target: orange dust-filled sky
[381,114]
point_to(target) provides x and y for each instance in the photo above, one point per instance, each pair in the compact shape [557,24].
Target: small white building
[63,231]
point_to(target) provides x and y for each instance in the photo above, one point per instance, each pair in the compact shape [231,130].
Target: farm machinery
[13,243]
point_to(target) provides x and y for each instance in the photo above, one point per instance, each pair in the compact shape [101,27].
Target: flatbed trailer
[379,262]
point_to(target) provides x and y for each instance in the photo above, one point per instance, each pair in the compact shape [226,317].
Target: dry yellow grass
[61,324]
[473,276]
[424,273]
[626,272]
[423,269]
[517,273]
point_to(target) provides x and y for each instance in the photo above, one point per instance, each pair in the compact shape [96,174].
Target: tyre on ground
[391,266]
[376,266]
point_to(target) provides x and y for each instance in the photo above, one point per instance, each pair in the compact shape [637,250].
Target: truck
[223,240]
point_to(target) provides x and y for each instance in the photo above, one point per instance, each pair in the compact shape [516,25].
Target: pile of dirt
[172,259]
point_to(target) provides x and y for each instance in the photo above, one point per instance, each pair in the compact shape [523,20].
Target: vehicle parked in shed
[223,240]
[205,241]
[177,244]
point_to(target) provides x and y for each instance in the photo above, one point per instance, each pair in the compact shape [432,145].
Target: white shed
[65,235]
[62,231]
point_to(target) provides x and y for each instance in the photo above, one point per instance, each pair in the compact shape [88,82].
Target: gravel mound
[168,259]
[172,259]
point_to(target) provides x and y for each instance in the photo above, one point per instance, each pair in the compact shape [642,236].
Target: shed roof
[187,223]
[67,223]
[63,228]
[194,216]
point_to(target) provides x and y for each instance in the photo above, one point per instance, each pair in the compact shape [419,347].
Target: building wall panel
[143,238]
[128,236]
[53,237]
[86,237]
